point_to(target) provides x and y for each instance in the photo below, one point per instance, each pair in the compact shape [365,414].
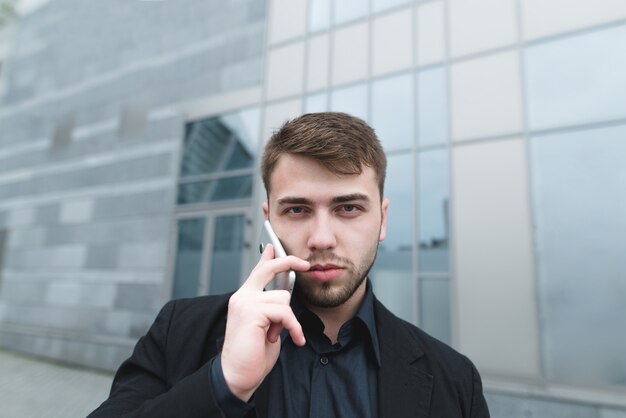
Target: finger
[274,332]
[278,296]
[283,317]
[267,254]
[265,270]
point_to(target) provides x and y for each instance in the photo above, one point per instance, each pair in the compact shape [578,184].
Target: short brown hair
[340,142]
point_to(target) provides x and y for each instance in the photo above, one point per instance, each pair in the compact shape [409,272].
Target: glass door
[211,252]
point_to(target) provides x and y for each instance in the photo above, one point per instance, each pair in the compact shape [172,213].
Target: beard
[332,294]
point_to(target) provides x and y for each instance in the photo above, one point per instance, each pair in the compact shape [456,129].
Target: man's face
[333,221]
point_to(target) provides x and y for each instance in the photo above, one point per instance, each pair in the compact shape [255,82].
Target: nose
[322,234]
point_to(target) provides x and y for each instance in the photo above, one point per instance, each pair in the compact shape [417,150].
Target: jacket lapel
[403,389]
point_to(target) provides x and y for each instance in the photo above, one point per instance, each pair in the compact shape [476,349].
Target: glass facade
[218,156]
[432,107]
[577,80]
[392,275]
[214,194]
[190,242]
[226,255]
[433,190]
[505,140]
[392,112]
[579,181]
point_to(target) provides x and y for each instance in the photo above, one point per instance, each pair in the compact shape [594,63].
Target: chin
[328,294]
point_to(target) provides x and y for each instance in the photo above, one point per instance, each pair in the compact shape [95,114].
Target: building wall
[503,121]
[92,117]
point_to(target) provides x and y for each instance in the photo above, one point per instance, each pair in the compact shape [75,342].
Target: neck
[334,318]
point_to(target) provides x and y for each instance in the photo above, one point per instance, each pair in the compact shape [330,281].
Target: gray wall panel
[112,232]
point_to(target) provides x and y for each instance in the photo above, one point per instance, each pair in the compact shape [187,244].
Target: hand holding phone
[256,319]
[284,280]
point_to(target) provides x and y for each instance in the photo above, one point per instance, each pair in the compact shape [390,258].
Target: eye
[349,210]
[295,210]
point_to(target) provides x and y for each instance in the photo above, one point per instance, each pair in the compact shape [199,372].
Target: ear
[266,210]
[383,221]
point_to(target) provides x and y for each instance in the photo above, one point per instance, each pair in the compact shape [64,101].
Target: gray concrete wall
[90,133]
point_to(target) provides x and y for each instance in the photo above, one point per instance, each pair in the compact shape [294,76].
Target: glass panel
[228,241]
[380,5]
[430,38]
[433,210]
[432,107]
[392,112]
[392,273]
[392,42]
[577,80]
[319,16]
[228,188]
[486,96]
[221,143]
[317,65]
[434,307]
[346,10]
[352,100]
[188,258]
[350,54]
[287,19]
[580,210]
[473,29]
[285,70]
[316,103]
[542,18]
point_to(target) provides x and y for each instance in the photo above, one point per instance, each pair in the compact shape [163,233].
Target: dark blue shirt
[321,379]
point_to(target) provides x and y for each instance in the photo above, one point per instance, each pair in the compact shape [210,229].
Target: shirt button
[324,360]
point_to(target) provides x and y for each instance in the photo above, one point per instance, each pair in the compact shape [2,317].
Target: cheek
[292,241]
[363,235]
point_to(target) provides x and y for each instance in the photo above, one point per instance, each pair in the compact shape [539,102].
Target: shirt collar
[365,314]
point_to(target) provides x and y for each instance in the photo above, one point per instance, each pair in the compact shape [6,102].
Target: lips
[325,272]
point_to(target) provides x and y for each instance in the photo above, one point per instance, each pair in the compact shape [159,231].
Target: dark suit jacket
[168,372]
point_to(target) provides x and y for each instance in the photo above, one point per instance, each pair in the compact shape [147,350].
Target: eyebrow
[350,198]
[294,201]
[339,199]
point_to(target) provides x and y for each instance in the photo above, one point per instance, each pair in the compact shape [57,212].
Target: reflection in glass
[228,242]
[398,189]
[392,112]
[188,258]
[434,308]
[432,107]
[579,185]
[433,198]
[316,103]
[220,143]
[227,188]
[575,80]
[352,100]
[319,15]
[392,273]
[346,10]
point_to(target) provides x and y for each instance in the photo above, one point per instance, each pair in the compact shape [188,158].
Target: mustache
[327,257]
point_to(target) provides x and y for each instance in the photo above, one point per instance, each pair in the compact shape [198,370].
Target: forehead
[300,176]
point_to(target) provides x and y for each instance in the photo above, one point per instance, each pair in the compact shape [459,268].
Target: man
[330,349]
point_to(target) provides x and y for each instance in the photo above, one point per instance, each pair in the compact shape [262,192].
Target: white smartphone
[283,280]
